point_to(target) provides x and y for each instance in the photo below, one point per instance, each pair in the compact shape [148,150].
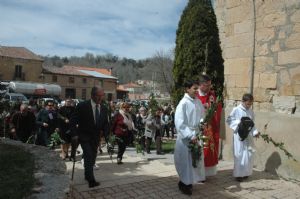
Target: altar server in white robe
[188,114]
[243,151]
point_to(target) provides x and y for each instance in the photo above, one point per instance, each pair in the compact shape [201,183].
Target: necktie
[97,115]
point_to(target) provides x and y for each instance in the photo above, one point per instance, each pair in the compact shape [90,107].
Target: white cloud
[131,28]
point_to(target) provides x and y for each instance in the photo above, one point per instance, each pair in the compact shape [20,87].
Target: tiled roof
[18,52]
[74,70]
[100,70]
[121,88]
[65,70]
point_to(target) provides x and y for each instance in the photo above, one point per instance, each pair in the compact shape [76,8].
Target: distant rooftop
[80,71]
[18,52]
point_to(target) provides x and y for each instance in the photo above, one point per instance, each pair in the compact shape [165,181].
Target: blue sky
[127,28]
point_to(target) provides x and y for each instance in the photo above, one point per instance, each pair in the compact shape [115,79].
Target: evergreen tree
[153,104]
[198,48]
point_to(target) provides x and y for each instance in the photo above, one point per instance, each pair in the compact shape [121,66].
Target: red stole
[212,130]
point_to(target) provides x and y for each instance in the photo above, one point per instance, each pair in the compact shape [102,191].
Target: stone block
[266,107]
[284,77]
[285,90]
[295,74]
[269,7]
[232,3]
[243,27]
[284,104]
[236,93]
[296,89]
[237,66]
[238,52]
[297,111]
[296,17]
[296,27]
[274,19]
[228,30]
[256,80]
[255,106]
[239,13]
[262,63]
[242,81]
[289,57]
[267,80]
[281,34]
[275,47]
[293,41]
[239,40]
[265,34]
[260,95]
[262,50]
[230,80]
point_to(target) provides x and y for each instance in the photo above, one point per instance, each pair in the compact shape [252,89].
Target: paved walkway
[154,176]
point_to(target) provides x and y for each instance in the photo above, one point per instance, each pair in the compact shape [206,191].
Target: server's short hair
[190,83]
[204,78]
[247,97]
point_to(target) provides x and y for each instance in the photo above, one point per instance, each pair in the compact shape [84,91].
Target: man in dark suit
[89,120]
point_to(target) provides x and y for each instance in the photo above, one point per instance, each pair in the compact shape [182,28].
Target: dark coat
[84,118]
[43,117]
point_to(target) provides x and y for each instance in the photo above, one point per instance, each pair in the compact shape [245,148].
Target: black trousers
[146,143]
[165,128]
[89,149]
[122,143]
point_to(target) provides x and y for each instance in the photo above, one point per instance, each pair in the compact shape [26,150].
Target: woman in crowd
[121,126]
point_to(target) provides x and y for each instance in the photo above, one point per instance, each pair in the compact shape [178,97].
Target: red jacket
[119,128]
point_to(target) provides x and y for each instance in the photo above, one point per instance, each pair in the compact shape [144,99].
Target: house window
[71,80]
[83,94]
[54,78]
[84,80]
[18,71]
[70,93]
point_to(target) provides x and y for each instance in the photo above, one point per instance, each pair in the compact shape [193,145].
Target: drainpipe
[253,49]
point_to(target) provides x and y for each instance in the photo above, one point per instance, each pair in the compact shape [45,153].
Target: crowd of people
[95,120]
[88,124]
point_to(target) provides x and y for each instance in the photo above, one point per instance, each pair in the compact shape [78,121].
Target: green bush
[16,172]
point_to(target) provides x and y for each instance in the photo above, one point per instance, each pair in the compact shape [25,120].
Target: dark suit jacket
[87,129]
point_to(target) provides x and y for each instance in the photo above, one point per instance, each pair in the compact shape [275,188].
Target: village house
[19,64]
[77,81]
[135,91]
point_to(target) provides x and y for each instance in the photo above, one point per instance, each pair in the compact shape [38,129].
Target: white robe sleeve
[181,121]
[233,120]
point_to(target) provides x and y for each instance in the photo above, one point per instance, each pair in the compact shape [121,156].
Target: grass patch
[16,172]
[167,146]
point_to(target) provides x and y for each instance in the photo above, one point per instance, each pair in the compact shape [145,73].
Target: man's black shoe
[93,184]
[185,189]
[239,179]
[160,153]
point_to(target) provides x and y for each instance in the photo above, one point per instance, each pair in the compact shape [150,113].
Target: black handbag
[244,127]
